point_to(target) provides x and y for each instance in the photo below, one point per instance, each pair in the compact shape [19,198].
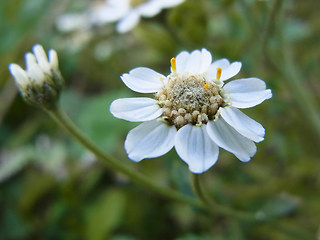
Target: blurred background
[52,188]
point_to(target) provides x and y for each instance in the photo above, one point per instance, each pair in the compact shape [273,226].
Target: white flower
[128,12]
[41,82]
[193,110]
[69,22]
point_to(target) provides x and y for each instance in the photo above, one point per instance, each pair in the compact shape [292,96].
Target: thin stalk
[247,14]
[65,122]
[303,96]
[211,205]
[269,28]
[293,75]
[197,189]
[276,7]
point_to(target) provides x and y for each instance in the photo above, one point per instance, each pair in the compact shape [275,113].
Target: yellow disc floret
[189,99]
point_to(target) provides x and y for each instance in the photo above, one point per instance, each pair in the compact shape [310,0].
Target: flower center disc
[188,99]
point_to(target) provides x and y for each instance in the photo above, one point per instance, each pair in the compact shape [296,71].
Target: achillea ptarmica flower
[128,12]
[40,84]
[193,110]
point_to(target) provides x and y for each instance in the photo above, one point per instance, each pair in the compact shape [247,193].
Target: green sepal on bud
[41,83]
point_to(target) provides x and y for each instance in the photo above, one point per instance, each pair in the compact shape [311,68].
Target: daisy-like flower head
[193,111]
[41,82]
[128,12]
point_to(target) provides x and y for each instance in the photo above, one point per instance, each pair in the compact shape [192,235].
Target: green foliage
[105,215]
[15,162]
[277,207]
[189,22]
[194,237]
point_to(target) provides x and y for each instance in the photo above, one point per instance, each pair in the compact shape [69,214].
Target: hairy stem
[211,205]
[198,191]
[213,208]
[65,122]
[276,7]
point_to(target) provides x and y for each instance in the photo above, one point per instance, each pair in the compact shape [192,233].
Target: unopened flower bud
[40,84]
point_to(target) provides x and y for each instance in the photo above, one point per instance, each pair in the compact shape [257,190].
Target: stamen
[219,70]
[173,64]
[206,86]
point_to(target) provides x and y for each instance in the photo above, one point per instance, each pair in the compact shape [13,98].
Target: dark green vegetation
[51,188]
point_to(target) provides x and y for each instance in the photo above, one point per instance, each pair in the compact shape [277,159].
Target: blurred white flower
[126,12]
[193,110]
[72,21]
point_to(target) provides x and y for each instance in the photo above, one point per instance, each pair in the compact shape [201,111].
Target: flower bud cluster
[41,83]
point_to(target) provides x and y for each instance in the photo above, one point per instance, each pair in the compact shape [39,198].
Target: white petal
[36,74]
[71,22]
[196,148]
[169,3]
[229,139]
[227,70]
[149,9]
[53,59]
[20,76]
[42,59]
[206,60]
[128,22]
[118,3]
[247,92]
[143,80]
[107,14]
[221,63]
[230,71]
[212,70]
[181,61]
[30,60]
[243,124]
[136,109]
[194,62]
[149,140]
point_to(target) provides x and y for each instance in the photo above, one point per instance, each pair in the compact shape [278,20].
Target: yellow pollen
[206,86]
[219,70]
[173,64]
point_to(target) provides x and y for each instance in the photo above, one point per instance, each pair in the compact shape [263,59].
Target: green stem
[65,122]
[304,98]
[212,206]
[276,7]
[269,28]
[197,189]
